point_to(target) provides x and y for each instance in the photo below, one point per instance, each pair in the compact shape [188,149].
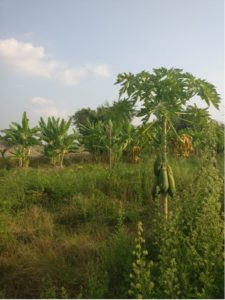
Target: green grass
[60,235]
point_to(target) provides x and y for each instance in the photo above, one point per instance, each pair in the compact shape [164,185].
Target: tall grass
[70,233]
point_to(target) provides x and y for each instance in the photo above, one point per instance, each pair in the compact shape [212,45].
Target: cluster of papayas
[164,181]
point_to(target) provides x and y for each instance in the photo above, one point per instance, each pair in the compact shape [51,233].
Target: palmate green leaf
[168,90]
[208,92]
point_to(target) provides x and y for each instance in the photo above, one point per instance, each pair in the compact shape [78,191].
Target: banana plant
[18,155]
[3,152]
[116,140]
[164,95]
[22,138]
[57,140]
[106,139]
[90,136]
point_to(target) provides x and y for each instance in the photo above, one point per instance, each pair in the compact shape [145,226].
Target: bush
[188,246]
[117,258]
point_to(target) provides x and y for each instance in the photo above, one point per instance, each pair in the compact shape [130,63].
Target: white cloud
[26,58]
[40,100]
[102,70]
[51,111]
[74,76]
[47,108]
[29,34]
[70,76]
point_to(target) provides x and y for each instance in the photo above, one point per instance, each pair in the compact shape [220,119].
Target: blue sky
[59,56]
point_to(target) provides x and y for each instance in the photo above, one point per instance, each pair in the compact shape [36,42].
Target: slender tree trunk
[26,158]
[164,161]
[165,204]
[20,161]
[23,159]
[52,161]
[110,147]
[61,159]
[164,141]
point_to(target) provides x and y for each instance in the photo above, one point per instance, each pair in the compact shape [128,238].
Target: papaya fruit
[172,186]
[163,179]
[157,165]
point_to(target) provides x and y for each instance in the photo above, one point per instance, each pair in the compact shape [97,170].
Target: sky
[57,57]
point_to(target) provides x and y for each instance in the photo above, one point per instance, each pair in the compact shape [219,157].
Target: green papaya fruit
[157,165]
[163,179]
[172,186]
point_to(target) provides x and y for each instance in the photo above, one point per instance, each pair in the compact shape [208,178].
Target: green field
[95,207]
[70,233]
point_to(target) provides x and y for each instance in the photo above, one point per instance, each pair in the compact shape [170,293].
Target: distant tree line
[108,133]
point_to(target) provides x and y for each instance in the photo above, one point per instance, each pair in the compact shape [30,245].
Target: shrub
[141,285]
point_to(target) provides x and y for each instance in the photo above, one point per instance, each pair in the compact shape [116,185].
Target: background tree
[83,116]
[120,111]
[164,94]
[207,133]
[22,137]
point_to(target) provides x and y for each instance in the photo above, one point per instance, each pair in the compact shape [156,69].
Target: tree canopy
[165,91]
[120,111]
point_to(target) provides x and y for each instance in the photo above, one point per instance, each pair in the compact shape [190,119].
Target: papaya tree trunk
[164,196]
[110,147]
[165,204]
[164,141]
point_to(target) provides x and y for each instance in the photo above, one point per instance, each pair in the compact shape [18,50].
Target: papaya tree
[57,139]
[164,94]
[22,138]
